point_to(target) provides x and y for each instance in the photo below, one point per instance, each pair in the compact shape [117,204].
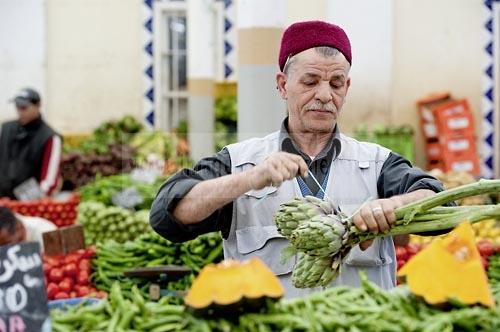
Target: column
[201,72]
[260,25]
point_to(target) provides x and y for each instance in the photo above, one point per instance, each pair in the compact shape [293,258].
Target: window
[170,64]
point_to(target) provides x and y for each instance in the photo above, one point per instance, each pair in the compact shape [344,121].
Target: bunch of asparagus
[322,236]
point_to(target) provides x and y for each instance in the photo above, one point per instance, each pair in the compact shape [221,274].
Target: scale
[160,276]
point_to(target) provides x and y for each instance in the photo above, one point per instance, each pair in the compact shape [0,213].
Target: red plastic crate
[452,147]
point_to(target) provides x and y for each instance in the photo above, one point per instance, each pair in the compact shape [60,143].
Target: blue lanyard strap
[306,191]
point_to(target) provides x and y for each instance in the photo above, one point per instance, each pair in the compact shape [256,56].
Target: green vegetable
[325,236]
[150,249]
[102,223]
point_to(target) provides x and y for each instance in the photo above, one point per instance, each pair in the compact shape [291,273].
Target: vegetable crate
[448,128]
[397,139]
[61,213]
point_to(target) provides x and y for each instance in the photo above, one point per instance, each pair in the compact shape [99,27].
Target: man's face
[27,112]
[314,89]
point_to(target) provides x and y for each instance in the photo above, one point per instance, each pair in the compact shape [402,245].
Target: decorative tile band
[148,61]
[488,100]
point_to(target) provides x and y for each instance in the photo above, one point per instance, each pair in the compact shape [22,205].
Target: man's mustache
[322,107]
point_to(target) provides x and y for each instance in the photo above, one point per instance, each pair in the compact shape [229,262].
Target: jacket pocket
[370,257]
[265,243]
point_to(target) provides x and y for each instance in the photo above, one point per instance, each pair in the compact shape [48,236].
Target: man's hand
[276,169]
[377,217]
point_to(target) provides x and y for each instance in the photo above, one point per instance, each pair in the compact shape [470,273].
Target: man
[29,148]
[17,228]
[239,189]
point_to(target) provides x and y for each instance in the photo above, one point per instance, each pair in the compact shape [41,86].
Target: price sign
[29,190]
[23,298]
[129,198]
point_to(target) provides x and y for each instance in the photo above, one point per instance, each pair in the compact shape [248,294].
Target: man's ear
[281,84]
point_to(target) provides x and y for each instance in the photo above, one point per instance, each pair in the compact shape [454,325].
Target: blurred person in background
[29,147]
[15,228]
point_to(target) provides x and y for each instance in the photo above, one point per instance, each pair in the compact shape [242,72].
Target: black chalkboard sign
[23,298]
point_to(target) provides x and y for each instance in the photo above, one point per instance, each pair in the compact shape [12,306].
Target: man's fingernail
[363,228]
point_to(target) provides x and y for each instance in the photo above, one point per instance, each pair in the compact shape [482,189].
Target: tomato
[412,249]
[401,253]
[485,262]
[83,291]
[485,248]
[66,285]
[83,278]
[89,252]
[52,290]
[70,270]
[71,258]
[56,275]
[52,261]
[85,265]
[401,262]
[61,295]
[73,294]
[101,295]
[46,268]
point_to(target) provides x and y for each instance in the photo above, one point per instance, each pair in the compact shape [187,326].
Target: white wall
[369,25]
[22,50]
[94,62]
[438,45]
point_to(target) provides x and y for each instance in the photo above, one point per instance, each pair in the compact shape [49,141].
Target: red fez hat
[301,36]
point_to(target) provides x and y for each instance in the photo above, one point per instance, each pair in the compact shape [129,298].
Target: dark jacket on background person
[22,151]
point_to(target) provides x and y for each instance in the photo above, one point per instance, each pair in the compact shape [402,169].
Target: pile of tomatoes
[69,276]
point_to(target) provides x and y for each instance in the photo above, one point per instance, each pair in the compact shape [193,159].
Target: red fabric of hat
[301,36]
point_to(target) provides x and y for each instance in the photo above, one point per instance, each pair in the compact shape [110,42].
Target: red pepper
[61,295]
[70,270]
[56,275]
[52,290]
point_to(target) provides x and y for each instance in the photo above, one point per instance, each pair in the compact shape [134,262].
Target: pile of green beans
[367,308]
[150,249]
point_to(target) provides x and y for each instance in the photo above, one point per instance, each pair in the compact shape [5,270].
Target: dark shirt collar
[288,145]
[33,124]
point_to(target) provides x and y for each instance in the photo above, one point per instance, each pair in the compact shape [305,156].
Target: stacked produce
[60,212]
[79,168]
[158,143]
[103,223]
[323,236]
[150,249]
[453,179]
[405,253]
[69,276]
[103,188]
[336,309]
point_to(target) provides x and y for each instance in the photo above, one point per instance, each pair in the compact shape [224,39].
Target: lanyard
[306,191]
